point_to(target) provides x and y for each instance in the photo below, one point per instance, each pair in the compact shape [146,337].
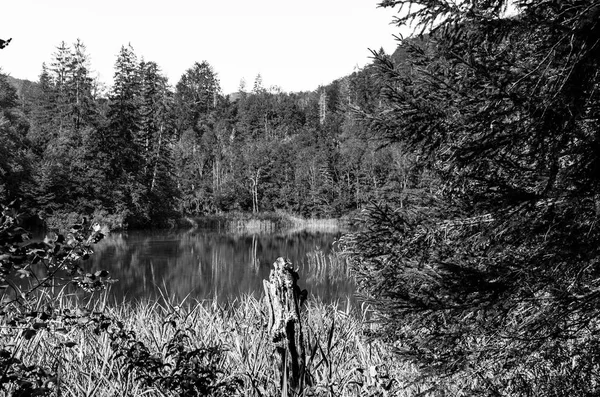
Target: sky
[295,45]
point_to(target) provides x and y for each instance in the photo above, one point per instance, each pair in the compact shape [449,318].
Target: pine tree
[43,114]
[15,160]
[117,152]
[156,137]
[124,115]
[258,87]
[61,69]
[196,94]
[489,281]
[80,86]
[196,102]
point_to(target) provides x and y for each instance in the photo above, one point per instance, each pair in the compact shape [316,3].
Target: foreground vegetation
[158,349]
[60,335]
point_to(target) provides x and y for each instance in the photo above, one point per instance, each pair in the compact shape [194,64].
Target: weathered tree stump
[284,299]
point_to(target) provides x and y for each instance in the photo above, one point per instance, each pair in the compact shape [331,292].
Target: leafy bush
[42,283]
[33,278]
[177,366]
[60,221]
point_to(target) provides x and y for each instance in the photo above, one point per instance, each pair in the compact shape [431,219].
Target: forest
[144,153]
[469,158]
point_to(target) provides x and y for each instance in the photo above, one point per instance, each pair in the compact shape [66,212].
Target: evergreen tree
[124,115]
[156,138]
[117,149]
[196,101]
[61,69]
[64,115]
[489,280]
[258,87]
[42,116]
[15,159]
[196,95]
[80,87]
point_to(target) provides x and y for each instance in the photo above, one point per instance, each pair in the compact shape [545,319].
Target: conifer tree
[61,67]
[42,116]
[117,153]
[489,280]
[124,114]
[15,161]
[156,137]
[80,86]
[196,102]
[195,95]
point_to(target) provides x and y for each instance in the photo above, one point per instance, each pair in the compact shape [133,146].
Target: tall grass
[252,226]
[331,225]
[320,266]
[341,359]
[265,222]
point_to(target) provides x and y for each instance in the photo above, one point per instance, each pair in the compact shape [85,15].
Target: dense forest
[145,153]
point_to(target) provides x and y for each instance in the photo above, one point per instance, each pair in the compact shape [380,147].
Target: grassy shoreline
[234,222]
[109,350]
[265,222]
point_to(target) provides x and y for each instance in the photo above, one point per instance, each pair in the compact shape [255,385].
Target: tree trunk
[156,160]
[284,300]
[254,190]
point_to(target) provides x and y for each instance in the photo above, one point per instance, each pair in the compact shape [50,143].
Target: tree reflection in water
[206,264]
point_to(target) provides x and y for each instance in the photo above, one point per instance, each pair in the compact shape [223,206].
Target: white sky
[296,45]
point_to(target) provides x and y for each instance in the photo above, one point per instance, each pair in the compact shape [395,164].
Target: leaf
[29,333]
[39,325]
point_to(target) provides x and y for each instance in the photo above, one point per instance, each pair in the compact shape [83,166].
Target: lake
[209,264]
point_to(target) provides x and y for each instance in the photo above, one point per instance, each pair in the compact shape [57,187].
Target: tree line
[145,152]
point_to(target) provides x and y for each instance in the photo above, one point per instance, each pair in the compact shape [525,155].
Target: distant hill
[17,83]
[400,55]
[25,88]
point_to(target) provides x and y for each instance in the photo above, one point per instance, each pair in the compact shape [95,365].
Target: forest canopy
[144,152]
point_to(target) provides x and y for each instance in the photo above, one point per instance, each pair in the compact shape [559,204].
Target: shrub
[43,286]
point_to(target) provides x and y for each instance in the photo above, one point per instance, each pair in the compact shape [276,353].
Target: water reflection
[205,264]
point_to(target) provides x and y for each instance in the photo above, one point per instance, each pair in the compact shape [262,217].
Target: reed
[330,225]
[251,226]
[266,222]
[321,267]
[94,361]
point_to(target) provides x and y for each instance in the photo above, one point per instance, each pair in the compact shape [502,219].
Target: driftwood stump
[284,299]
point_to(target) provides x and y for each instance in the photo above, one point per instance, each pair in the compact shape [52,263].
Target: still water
[208,264]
